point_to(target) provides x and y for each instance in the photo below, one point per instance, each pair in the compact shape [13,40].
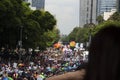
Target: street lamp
[91,12]
[20,43]
[91,23]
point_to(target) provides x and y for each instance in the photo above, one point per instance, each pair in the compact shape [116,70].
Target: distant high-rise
[37,4]
[87,12]
[118,5]
[105,6]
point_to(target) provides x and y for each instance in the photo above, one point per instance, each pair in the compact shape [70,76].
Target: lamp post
[91,23]
[21,28]
[79,11]
[20,43]
[91,12]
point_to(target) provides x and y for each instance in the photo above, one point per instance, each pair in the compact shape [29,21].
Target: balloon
[57,45]
[72,43]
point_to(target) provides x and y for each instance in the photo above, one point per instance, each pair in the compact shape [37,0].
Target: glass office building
[36,4]
[39,4]
[85,11]
[105,6]
[118,5]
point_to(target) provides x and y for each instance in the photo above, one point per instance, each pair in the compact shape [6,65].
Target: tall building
[105,6]
[87,12]
[39,4]
[118,5]
[36,4]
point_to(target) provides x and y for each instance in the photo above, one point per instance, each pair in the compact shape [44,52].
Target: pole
[79,11]
[91,12]
[91,23]
[21,28]
[20,43]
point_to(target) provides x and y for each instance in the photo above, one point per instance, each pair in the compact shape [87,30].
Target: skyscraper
[36,4]
[39,4]
[87,12]
[105,6]
[118,5]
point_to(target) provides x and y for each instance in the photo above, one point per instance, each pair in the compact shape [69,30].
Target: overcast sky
[66,13]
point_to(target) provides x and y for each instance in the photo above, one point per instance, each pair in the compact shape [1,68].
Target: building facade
[105,6]
[36,4]
[87,12]
[118,5]
[39,4]
[106,15]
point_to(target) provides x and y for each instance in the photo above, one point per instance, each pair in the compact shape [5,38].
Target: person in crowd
[78,74]
[104,54]
[104,57]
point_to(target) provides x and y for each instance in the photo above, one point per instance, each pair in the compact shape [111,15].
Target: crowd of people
[102,63]
[31,65]
[104,57]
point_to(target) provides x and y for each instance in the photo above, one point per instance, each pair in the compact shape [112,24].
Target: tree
[115,17]
[46,23]
[64,38]
[100,19]
[82,35]
[51,37]
[16,13]
[72,35]
[44,18]
[10,19]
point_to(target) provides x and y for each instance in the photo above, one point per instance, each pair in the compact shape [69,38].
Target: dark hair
[104,55]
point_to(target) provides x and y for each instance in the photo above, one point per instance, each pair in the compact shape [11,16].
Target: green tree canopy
[15,15]
[115,17]
[100,19]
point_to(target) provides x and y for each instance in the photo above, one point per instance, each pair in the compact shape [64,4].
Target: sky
[66,13]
